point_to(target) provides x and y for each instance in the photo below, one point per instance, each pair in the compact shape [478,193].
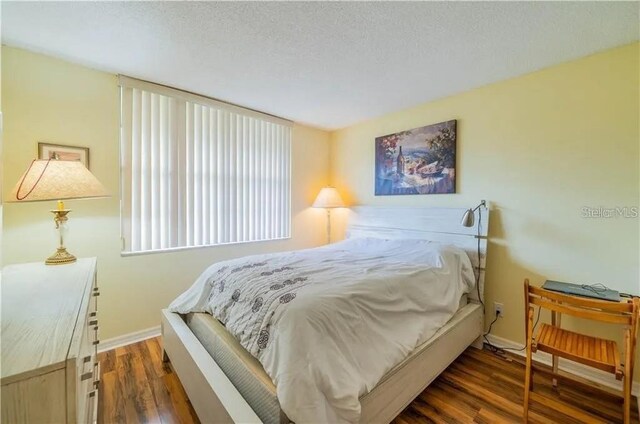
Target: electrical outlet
[498,309]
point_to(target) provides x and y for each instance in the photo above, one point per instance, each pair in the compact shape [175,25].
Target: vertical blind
[198,172]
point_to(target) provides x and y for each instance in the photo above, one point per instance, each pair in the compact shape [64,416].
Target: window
[199,172]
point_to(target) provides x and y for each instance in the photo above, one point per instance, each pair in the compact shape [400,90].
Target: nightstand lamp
[328,198]
[57,180]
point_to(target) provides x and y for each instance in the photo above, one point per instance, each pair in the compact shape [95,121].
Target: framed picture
[62,152]
[417,161]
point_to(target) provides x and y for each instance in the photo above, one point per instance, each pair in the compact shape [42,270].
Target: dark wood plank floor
[479,387]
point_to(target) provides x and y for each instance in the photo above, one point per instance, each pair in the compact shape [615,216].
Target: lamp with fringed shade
[328,198]
[57,180]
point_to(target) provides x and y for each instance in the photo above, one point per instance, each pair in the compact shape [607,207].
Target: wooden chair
[592,351]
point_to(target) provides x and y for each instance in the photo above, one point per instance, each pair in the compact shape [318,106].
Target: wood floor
[479,387]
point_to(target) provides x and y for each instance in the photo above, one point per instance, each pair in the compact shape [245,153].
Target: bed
[225,383]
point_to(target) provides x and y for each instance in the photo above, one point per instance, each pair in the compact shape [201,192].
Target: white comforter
[328,323]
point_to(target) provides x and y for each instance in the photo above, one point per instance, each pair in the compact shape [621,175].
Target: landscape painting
[417,161]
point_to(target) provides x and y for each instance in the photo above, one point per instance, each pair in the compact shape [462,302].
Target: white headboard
[436,224]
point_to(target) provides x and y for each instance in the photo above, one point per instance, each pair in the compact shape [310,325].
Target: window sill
[204,246]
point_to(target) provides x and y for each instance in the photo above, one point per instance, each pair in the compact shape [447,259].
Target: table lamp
[57,180]
[328,198]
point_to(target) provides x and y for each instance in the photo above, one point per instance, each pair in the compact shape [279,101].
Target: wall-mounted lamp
[328,198]
[468,219]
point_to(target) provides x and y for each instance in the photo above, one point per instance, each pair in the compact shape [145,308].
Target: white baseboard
[591,374]
[128,339]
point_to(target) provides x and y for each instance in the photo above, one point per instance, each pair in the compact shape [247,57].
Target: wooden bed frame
[215,398]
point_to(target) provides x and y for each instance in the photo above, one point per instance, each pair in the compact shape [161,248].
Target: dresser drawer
[91,416]
[87,365]
[93,323]
[87,393]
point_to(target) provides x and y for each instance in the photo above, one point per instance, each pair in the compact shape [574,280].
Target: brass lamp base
[61,257]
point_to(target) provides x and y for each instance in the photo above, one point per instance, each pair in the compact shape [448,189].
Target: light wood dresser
[49,339]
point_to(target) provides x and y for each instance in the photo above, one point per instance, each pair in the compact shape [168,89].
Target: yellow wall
[46,99]
[1,155]
[538,148]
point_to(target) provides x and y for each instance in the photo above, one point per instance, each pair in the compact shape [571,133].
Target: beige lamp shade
[56,180]
[328,198]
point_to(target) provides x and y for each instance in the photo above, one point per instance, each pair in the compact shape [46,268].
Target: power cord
[479,260]
[495,349]
[499,349]
[598,288]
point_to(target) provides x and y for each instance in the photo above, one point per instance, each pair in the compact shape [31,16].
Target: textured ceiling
[325,64]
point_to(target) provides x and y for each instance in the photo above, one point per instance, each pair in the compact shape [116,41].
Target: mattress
[245,371]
